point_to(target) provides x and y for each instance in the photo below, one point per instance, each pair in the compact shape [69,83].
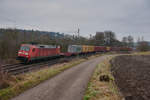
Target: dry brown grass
[3,82]
[98,90]
[6,80]
[23,82]
[142,53]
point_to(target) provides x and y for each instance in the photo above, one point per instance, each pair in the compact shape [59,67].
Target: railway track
[19,68]
[10,65]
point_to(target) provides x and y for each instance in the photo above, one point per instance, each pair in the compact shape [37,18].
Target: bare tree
[130,41]
[1,75]
[125,41]
[143,46]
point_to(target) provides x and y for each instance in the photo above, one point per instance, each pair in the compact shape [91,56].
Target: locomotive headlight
[26,54]
[19,52]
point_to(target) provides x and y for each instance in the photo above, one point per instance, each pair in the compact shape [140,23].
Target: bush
[143,46]
[4,77]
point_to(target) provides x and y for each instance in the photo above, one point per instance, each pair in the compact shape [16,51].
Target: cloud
[121,16]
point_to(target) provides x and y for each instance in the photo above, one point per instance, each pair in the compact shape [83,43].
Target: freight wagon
[73,50]
[100,49]
[121,49]
[78,49]
[87,49]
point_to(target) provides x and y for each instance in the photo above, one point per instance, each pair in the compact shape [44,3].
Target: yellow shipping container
[108,48]
[84,48]
[87,48]
[91,49]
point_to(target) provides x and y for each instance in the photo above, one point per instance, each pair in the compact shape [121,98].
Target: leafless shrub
[0,71]
[3,79]
[143,46]
[104,78]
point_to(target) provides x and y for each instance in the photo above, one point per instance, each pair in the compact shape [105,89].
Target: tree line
[11,39]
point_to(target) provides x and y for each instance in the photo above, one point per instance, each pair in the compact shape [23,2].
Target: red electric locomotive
[31,52]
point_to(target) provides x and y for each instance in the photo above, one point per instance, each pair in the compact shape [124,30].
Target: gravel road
[68,85]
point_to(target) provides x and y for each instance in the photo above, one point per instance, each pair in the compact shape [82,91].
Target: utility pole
[78,32]
[90,36]
[142,39]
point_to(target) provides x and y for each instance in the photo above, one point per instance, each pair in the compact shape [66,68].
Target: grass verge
[20,83]
[98,90]
[142,53]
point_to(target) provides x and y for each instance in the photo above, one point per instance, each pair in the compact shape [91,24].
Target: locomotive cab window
[25,48]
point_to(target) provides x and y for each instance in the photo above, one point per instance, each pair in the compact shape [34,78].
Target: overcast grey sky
[124,17]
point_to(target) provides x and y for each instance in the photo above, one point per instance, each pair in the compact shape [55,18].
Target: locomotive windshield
[25,48]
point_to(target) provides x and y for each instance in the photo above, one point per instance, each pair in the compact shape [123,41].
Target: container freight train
[32,52]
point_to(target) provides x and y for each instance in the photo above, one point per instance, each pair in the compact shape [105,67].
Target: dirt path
[69,85]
